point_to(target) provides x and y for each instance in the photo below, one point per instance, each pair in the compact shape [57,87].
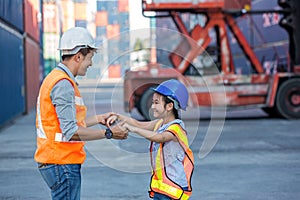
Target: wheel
[145,104]
[288,99]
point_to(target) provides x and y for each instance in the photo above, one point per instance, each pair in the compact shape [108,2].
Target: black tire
[287,99]
[145,104]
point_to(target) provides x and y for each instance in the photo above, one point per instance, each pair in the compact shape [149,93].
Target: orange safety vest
[160,182]
[51,145]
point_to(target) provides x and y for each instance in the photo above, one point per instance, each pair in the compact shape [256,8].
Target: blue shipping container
[81,23]
[12,74]
[12,13]
[268,40]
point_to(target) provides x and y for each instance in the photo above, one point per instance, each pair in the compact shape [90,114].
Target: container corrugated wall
[12,74]
[32,51]
[31,14]
[20,34]
[12,13]
[32,69]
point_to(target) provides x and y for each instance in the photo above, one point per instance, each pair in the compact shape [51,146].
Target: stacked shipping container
[20,49]
[52,29]
[60,15]
[30,32]
[112,30]
[268,40]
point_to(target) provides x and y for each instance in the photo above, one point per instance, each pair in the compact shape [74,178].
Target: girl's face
[158,106]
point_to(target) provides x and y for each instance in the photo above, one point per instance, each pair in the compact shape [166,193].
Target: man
[61,118]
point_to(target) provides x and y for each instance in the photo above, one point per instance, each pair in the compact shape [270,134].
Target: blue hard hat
[174,90]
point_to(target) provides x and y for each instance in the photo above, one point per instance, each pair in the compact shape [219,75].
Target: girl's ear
[170,106]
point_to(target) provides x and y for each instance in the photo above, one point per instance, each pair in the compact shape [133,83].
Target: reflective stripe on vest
[52,146]
[160,182]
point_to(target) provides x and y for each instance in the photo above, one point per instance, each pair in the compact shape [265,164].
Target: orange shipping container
[31,12]
[114,71]
[123,6]
[67,7]
[113,31]
[32,70]
[101,18]
[80,11]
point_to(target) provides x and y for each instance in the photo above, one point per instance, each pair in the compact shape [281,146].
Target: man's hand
[111,119]
[102,119]
[119,132]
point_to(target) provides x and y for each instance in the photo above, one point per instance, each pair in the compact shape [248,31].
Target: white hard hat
[75,39]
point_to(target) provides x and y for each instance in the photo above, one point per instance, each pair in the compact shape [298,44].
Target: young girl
[171,158]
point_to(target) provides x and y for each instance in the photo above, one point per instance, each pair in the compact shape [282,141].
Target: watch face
[108,133]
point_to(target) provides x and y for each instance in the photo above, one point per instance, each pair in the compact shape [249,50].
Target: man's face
[85,63]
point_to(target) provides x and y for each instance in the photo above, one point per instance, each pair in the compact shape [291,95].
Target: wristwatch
[108,133]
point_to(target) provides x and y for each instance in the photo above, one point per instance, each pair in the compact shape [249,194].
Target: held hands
[119,132]
[102,119]
[113,119]
[128,127]
[110,119]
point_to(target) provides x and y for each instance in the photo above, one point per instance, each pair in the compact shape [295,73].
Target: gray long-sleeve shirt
[63,98]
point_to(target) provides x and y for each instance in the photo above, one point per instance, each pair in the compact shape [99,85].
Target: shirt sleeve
[62,96]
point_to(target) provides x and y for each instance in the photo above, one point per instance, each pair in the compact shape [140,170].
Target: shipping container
[268,40]
[101,18]
[101,31]
[114,71]
[124,43]
[123,19]
[101,5]
[80,11]
[41,26]
[112,6]
[81,23]
[32,15]
[12,74]
[12,13]
[49,64]
[32,72]
[123,6]
[113,31]
[51,42]
[50,18]
[113,51]
[113,18]
[67,10]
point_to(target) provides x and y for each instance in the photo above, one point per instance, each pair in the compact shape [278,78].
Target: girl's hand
[111,119]
[103,117]
[128,127]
